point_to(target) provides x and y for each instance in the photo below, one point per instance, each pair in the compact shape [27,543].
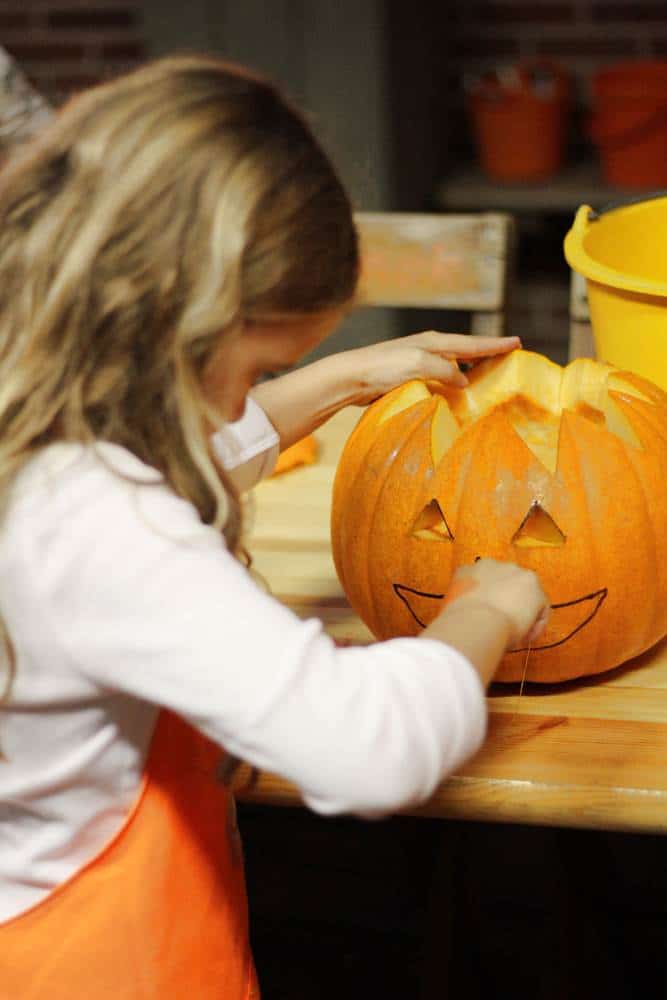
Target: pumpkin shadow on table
[535,689]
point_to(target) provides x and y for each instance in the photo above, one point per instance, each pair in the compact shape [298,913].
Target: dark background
[410,907]
[382,81]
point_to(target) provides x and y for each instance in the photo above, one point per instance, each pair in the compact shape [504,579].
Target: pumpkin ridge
[360,432]
[499,414]
[342,484]
[651,631]
[352,535]
[642,417]
[656,395]
[404,444]
[569,426]
[473,430]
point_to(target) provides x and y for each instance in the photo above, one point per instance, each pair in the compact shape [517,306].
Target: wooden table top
[591,753]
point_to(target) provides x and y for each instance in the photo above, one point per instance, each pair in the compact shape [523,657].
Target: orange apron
[161,912]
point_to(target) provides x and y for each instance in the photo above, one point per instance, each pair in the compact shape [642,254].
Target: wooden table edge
[503,801]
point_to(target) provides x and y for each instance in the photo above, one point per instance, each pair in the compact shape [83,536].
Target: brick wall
[68,44]
[65,45]
[582,35]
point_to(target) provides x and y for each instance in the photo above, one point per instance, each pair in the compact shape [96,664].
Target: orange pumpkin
[563,470]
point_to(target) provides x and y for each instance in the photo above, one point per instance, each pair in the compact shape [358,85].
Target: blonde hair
[154,216]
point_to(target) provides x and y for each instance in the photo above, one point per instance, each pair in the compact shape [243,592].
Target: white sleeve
[142,598]
[248,448]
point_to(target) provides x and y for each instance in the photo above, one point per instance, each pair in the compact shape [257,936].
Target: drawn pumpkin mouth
[566,619]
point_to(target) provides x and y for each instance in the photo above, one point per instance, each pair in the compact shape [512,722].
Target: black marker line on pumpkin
[599,594]
[401,589]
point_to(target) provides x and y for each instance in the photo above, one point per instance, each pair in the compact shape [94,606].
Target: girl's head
[159,221]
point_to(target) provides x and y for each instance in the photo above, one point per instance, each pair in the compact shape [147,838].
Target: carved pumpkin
[560,470]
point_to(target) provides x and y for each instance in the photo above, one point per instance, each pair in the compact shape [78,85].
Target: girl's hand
[301,400]
[490,608]
[507,588]
[429,355]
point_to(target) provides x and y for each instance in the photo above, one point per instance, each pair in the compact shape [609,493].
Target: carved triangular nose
[538,528]
[431,524]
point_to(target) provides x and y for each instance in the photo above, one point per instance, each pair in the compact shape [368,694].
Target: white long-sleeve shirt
[119,601]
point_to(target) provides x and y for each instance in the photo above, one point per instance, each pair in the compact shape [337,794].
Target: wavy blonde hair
[155,215]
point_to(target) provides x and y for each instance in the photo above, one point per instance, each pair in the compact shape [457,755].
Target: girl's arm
[138,597]
[301,400]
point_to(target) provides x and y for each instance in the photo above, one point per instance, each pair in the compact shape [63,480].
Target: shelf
[581,184]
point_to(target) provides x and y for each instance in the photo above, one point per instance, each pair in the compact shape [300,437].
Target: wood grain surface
[591,753]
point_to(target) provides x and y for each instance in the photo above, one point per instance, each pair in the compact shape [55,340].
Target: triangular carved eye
[538,528]
[432,524]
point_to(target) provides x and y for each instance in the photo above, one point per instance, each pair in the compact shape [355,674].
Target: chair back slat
[435,261]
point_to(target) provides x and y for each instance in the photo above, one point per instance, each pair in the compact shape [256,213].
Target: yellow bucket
[622,253]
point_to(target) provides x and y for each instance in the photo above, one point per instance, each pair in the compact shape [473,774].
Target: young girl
[168,238]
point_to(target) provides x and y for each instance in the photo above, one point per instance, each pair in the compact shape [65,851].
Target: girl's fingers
[480,347]
[444,371]
[538,625]
[465,346]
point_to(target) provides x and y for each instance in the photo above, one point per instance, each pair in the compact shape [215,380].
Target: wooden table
[589,754]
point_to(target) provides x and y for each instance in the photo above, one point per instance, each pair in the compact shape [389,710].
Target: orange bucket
[519,117]
[629,124]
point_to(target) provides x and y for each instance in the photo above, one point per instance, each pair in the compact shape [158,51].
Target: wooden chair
[580,343]
[445,261]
